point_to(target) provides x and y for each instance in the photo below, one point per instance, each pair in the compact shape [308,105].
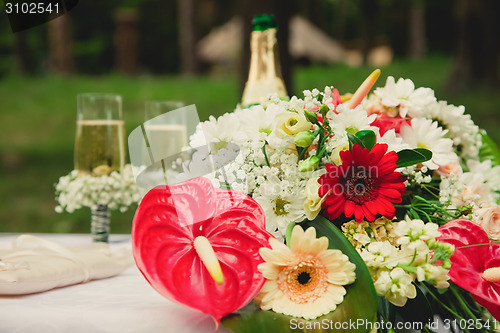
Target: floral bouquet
[365,212]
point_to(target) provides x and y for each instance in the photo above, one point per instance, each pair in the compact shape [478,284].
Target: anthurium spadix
[199,246]
[363,89]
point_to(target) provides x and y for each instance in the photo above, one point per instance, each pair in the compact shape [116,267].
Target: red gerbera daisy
[365,184]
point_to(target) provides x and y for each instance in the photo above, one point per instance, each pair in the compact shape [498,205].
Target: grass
[37,126]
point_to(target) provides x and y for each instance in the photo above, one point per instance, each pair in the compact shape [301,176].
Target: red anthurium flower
[476,268]
[199,246]
[364,185]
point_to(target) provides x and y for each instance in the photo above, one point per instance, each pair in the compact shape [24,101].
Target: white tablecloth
[124,303]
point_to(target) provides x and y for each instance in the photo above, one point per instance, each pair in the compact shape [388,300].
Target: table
[124,303]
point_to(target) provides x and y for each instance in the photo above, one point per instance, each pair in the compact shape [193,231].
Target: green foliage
[489,150]
[364,139]
[408,157]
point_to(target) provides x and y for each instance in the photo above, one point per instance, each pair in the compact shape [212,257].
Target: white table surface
[124,303]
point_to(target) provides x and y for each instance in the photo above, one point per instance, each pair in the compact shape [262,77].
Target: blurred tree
[26,62]
[478,47]
[61,46]
[417,40]
[93,25]
[368,14]
[283,11]
[126,40]
[188,36]
[159,37]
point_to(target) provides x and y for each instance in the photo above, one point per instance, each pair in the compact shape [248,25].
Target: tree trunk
[368,10]
[188,37]
[126,39]
[478,49]
[417,47]
[26,63]
[60,45]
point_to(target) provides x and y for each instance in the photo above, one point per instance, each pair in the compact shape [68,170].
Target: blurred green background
[39,81]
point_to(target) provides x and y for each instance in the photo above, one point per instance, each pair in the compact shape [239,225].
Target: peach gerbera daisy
[305,280]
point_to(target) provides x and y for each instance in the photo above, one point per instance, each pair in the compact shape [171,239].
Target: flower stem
[441,303]
[265,154]
[462,303]
[480,244]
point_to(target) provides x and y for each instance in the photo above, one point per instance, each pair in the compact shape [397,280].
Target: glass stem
[100,223]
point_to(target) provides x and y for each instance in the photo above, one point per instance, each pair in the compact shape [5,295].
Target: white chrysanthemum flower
[305,280]
[218,132]
[460,126]
[424,133]
[281,205]
[351,120]
[396,286]
[402,94]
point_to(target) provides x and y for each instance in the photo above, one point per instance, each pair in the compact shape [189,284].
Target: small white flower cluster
[398,253]
[478,190]
[416,175]
[267,164]
[117,190]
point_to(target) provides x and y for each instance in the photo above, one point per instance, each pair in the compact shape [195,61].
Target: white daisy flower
[257,123]
[351,120]
[280,205]
[392,140]
[424,133]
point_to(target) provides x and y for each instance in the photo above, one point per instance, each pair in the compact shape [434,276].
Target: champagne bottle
[264,76]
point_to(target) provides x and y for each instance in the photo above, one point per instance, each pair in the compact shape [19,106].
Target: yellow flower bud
[335,156]
[312,204]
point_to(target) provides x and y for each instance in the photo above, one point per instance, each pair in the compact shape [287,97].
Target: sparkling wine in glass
[100,134]
[99,147]
[167,133]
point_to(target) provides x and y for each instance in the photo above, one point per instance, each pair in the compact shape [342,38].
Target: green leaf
[368,138]
[409,157]
[426,152]
[360,301]
[354,140]
[489,150]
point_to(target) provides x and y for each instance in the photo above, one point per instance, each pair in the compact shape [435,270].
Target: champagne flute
[99,146]
[167,134]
